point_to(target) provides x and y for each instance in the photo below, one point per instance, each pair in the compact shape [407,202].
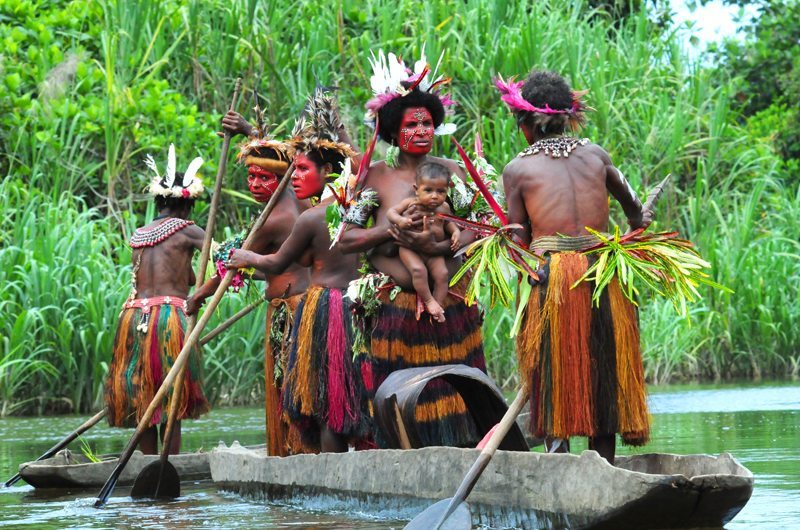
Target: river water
[758,424]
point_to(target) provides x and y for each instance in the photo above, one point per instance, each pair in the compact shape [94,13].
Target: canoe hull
[67,470]
[520,490]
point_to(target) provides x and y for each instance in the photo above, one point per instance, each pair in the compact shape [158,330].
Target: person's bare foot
[436,311]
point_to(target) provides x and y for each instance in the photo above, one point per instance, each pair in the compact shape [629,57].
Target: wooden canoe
[71,470]
[517,490]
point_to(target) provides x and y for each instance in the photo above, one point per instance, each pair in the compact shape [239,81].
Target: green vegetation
[88,88]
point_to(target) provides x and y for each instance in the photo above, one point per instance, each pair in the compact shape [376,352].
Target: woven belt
[564,243]
[147,303]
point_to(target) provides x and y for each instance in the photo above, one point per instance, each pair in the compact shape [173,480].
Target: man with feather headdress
[583,364]
[152,324]
[323,394]
[407,111]
[267,161]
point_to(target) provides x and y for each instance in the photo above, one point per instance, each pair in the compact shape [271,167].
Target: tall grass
[157,71]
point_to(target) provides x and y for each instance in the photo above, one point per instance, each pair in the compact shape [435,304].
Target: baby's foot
[436,311]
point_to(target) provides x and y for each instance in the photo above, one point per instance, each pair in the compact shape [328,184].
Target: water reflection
[759,425]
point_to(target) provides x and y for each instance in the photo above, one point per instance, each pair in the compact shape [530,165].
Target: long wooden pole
[183,356]
[200,277]
[211,335]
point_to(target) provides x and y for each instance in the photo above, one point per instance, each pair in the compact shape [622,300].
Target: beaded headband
[190,186]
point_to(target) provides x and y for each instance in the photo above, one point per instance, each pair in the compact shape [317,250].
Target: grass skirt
[142,360]
[280,317]
[323,384]
[400,341]
[583,363]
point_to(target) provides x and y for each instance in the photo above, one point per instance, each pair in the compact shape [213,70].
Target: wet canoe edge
[518,490]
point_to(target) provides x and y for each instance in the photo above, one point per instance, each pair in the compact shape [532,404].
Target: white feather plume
[150,163]
[191,171]
[170,176]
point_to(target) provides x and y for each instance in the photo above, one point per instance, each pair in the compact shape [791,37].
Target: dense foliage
[88,88]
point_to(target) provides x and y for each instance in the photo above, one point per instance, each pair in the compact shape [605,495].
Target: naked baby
[432,182]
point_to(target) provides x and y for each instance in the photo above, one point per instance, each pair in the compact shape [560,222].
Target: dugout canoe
[518,490]
[67,469]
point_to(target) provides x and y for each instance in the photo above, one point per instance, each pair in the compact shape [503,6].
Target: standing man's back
[583,363]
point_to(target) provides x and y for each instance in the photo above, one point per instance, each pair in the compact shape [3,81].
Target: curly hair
[326,156]
[543,88]
[433,171]
[391,114]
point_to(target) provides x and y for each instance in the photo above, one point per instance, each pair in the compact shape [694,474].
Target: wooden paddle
[452,514]
[85,426]
[183,356]
[161,479]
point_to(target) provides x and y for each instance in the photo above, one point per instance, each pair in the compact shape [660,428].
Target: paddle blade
[460,519]
[147,483]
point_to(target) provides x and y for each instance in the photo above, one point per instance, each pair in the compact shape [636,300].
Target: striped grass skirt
[322,385]
[401,341]
[583,363]
[280,317]
[142,358]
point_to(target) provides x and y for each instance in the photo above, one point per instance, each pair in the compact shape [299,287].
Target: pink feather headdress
[512,96]
[392,79]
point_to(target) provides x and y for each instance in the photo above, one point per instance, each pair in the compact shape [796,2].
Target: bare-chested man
[583,363]
[323,393]
[151,328]
[400,339]
[267,160]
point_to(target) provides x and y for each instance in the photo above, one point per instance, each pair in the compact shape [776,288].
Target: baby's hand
[455,244]
[405,223]
[240,259]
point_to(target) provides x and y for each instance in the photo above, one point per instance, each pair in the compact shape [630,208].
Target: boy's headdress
[189,187]
[251,151]
[318,126]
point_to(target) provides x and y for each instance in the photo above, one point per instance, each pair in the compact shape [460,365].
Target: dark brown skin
[563,196]
[166,270]
[393,185]
[276,229]
[309,244]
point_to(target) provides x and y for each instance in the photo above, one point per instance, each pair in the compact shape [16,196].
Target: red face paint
[261,183]
[307,180]
[415,136]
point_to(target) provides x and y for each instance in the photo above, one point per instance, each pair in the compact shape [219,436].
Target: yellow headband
[278,167]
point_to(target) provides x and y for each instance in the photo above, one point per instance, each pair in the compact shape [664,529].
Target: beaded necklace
[555,147]
[150,237]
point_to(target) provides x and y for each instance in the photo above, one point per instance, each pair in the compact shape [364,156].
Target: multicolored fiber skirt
[583,362]
[150,335]
[280,318]
[322,385]
[401,341]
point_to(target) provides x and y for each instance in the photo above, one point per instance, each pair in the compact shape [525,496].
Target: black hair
[326,156]
[543,88]
[267,152]
[433,171]
[391,114]
[173,203]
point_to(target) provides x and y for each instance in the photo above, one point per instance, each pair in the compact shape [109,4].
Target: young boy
[432,181]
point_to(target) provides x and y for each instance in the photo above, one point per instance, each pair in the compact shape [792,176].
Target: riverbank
[758,424]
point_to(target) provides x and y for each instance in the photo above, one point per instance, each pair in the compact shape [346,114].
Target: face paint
[415,136]
[261,183]
[307,179]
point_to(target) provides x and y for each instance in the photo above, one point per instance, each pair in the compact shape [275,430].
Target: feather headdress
[511,91]
[318,126]
[391,79]
[189,187]
[261,149]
